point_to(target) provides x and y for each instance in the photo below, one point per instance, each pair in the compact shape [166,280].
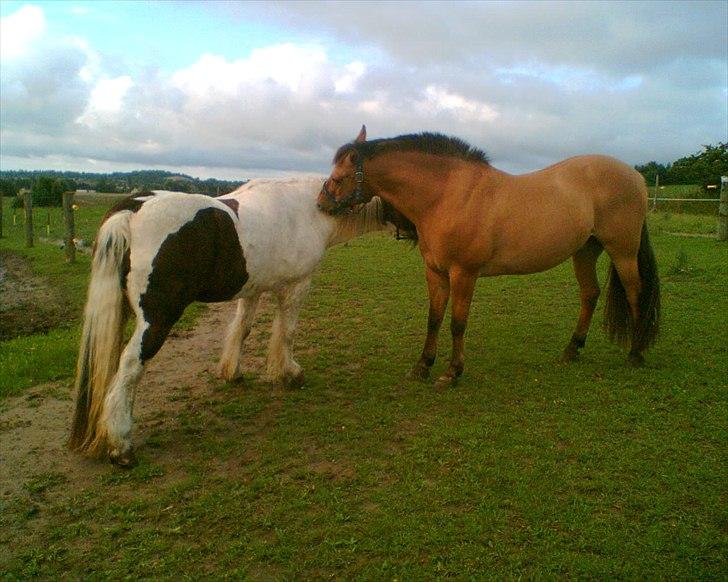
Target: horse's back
[537,220]
[282,233]
[603,177]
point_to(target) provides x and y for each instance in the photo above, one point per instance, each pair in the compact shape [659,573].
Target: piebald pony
[157,252]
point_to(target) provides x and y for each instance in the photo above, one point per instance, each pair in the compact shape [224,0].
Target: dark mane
[429,143]
[406,230]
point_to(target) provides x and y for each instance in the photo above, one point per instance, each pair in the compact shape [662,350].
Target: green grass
[527,468]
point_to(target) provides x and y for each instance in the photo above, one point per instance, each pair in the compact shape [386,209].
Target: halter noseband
[355,197]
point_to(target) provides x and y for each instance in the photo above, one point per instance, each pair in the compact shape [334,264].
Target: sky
[238,90]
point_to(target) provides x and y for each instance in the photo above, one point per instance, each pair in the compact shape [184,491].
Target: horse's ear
[362,137]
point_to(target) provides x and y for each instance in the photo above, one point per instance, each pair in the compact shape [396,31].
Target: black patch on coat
[202,261]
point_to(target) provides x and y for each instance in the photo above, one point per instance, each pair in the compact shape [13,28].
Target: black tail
[617,315]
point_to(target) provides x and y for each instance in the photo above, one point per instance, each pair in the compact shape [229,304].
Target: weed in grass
[142,473]
[44,481]
[682,269]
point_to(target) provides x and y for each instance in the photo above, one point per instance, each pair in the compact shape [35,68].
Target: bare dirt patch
[28,303]
[34,427]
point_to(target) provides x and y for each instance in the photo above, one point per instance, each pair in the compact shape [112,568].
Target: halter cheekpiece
[355,197]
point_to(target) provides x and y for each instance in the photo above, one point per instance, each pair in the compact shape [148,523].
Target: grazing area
[526,468]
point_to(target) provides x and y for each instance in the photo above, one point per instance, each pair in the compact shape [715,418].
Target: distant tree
[703,168]
[47,191]
[105,185]
[59,187]
[179,185]
[651,170]
[123,181]
[8,187]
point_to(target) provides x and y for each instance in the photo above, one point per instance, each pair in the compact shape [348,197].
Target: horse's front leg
[462,285]
[282,368]
[238,330]
[438,289]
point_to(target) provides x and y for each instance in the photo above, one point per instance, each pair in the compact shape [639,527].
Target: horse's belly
[267,273]
[540,252]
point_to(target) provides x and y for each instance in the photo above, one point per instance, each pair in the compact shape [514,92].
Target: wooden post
[28,202]
[69,244]
[657,190]
[723,210]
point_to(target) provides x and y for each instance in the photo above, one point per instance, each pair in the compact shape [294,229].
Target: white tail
[104,318]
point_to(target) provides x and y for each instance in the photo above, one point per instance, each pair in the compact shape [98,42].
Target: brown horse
[472,220]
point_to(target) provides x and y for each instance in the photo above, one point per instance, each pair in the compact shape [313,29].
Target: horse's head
[345,188]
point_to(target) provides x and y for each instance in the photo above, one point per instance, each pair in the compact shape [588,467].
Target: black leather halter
[355,197]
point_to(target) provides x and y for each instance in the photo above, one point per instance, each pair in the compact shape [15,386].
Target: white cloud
[293,67]
[346,83]
[568,79]
[19,30]
[106,100]
[438,99]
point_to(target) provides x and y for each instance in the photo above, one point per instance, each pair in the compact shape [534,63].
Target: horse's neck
[368,219]
[411,182]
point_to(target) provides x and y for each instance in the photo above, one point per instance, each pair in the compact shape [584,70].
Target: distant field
[527,469]
[684,191]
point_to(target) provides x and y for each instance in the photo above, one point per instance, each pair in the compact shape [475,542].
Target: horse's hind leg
[119,402]
[281,366]
[628,270]
[585,269]
[148,337]
[238,331]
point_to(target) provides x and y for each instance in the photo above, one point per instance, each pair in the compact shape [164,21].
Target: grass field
[684,191]
[528,468]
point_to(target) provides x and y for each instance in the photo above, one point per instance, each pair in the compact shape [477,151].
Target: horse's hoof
[445,381]
[419,373]
[125,460]
[570,354]
[636,360]
[293,382]
[227,375]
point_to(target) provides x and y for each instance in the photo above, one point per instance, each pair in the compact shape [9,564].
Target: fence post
[657,189]
[69,244]
[1,214]
[723,210]
[28,203]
